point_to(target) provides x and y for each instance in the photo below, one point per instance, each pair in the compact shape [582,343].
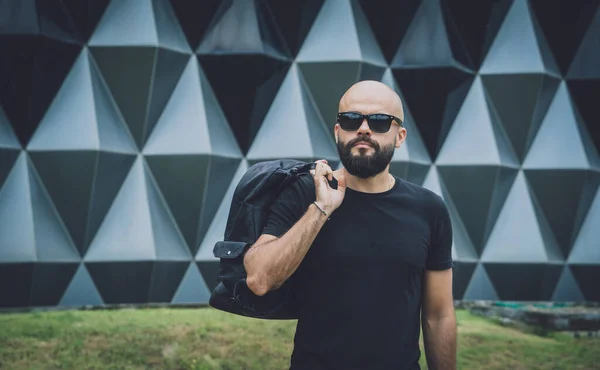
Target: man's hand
[327,197]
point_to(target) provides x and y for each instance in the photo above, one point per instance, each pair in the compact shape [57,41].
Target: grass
[208,339]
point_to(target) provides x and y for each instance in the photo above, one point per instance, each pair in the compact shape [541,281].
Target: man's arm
[439,320]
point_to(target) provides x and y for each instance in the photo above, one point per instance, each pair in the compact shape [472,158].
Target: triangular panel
[462,272]
[126,23]
[168,30]
[524,281]
[586,61]
[49,282]
[588,275]
[192,289]
[86,14]
[530,55]
[516,236]
[587,109]
[122,282]
[81,291]
[567,289]
[586,248]
[561,129]
[166,277]
[370,51]
[9,147]
[472,138]
[195,17]
[480,287]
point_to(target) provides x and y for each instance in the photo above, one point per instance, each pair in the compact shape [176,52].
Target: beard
[362,165]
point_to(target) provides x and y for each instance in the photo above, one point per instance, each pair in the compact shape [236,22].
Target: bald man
[368,253]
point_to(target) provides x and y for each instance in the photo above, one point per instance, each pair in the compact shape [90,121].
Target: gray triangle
[126,232]
[112,129]
[472,138]
[370,50]
[183,126]
[81,291]
[322,145]
[52,239]
[516,236]
[70,122]
[587,248]
[7,136]
[217,226]
[426,42]
[287,120]
[413,149]
[192,289]
[17,234]
[506,55]
[567,289]
[222,139]
[545,52]
[333,36]
[586,61]
[168,241]
[559,129]
[169,32]
[480,287]
[126,23]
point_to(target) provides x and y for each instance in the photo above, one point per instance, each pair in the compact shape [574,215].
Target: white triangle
[370,50]
[113,132]
[193,289]
[237,30]
[182,127]
[81,291]
[558,143]
[287,121]
[17,234]
[426,41]
[70,122]
[480,287]
[126,23]
[8,139]
[432,182]
[126,232]
[333,36]
[516,236]
[222,139]
[168,240]
[587,245]
[216,229]
[567,288]
[506,55]
[169,32]
[473,121]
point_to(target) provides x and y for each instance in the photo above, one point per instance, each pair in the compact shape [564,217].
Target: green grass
[208,339]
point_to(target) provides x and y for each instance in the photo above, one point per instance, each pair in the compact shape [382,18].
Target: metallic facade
[125,125]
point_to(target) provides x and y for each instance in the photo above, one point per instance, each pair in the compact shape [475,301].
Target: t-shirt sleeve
[289,206]
[440,248]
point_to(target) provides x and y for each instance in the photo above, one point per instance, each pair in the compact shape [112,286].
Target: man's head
[366,145]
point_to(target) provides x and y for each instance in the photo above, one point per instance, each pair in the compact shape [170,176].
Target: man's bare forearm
[270,264]
[439,339]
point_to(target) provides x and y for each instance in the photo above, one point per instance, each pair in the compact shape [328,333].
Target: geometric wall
[125,125]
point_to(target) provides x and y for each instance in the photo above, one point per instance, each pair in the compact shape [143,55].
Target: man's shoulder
[420,192]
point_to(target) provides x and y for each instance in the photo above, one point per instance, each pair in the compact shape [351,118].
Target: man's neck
[380,183]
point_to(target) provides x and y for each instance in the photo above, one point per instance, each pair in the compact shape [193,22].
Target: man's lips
[362,144]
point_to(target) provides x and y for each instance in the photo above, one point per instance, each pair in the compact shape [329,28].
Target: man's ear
[336,129]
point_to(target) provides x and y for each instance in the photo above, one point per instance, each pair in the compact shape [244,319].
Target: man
[370,258]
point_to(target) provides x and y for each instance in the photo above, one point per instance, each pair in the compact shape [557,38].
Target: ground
[203,338]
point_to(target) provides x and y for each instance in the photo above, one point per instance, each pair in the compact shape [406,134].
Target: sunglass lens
[350,121]
[380,122]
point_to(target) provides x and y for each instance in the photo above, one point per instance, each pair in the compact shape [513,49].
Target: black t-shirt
[359,286]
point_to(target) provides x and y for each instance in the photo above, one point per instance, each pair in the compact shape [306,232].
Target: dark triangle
[445,88]
[167,72]
[81,291]
[166,277]
[573,16]
[524,281]
[369,48]
[192,289]
[505,178]
[585,248]
[585,63]
[246,102]
[567,289]
[588,276]
[461,276]
[195,17]
[294,20]
[480,287]
[69,180]
[19,17]
[475,33]
[131,90]
[473,193]
[9,147]
[85,14]
[182,180]
[49,282]
[209,270]
[15,284]
[17,236]
[327,83]
[520,101]
[122,282]
[587,108]
[370,72]
[112,169]
[55,22]
[220,172]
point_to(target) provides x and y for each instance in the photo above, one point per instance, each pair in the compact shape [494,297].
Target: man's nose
[364,128]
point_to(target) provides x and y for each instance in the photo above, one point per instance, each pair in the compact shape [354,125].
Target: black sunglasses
[378,122]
